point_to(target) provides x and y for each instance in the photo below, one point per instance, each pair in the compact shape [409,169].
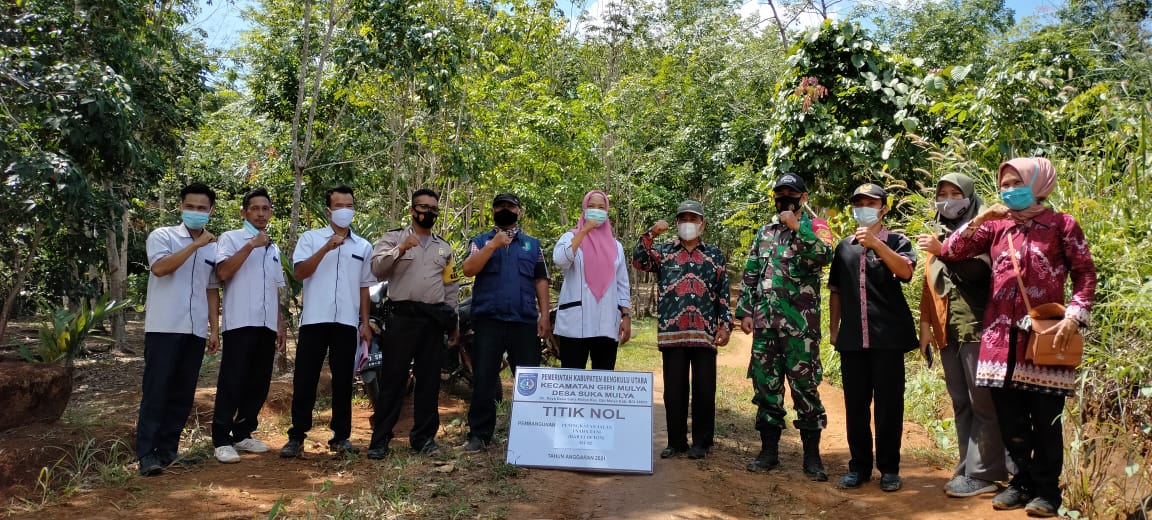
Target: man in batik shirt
[693,319]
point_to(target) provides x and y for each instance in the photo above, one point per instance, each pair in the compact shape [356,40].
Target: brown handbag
[1045,321]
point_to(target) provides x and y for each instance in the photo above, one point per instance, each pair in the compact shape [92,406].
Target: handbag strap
[1019,278]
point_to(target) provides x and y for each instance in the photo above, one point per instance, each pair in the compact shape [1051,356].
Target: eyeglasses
[425,207]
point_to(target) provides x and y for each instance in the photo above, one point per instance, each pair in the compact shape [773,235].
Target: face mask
[951,208]
[505,217]
[342,217]
[787,204]
[688,230]
[425,219]
[866,216]
[595,215]
[250,228]
[194,219]
[1018,198]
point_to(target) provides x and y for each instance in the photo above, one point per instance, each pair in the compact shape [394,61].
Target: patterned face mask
[952,208]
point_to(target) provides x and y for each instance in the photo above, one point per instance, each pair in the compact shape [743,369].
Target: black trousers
[874,378]
[171,368]
[338,342]
[416,340]
[1031,426]
[246,362]
[493,338]
[701,364]
[574,352]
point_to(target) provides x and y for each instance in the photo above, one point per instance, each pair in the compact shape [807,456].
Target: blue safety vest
[505,288]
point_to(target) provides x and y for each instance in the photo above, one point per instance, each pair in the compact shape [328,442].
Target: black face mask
[787,204]
[505,217]
[425,219]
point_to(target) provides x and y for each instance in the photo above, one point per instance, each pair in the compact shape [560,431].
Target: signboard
[596,420]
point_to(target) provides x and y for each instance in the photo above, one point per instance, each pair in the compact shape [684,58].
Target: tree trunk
[21,266]
[118,277]
[298,156]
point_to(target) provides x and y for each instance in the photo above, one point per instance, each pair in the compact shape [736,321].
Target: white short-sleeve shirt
[332,293]
[251,295]
[178,301]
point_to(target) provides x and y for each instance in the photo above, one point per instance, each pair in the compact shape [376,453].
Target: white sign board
[597,420]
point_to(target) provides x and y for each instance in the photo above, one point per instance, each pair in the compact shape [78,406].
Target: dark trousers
[874,378]
[338,342]
[493,338]
[171,368]
[701,364]
[1033,432]
[245,372]
[574,352]
[416,340]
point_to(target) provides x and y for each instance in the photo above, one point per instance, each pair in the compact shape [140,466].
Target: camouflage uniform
[781,292]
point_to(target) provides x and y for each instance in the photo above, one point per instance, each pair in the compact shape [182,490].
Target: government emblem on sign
[526,384]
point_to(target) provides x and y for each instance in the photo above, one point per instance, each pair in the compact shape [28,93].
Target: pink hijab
[1038,172]
[599,248]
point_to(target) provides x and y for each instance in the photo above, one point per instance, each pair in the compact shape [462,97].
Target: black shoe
[697,452]
[150,466]
[343,447]
[475,445]
[1011,498]
[813,465]
[759,465]
[853,480]
[1041,507]
[670,452]
[378,453]
[890,482]
[294,448]
[428,448]
[769,457]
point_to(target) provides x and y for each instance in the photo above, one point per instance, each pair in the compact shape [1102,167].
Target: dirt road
[471,486]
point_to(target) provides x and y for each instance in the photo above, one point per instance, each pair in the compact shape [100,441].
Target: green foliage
[848,110]
[63,339]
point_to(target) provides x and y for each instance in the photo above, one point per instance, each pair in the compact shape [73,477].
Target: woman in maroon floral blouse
[1029,399]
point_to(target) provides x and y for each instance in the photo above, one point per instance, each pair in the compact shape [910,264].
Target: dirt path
[408,486]
[719,488]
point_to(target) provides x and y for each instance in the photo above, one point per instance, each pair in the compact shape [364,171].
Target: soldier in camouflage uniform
[780,302]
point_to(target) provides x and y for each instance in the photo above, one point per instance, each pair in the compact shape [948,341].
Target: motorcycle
[457,360]
[456,366]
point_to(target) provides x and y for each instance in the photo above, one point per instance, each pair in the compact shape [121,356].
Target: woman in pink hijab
[593,317]
[1029,399]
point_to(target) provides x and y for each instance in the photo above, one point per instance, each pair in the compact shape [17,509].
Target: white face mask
[342,217]
[688,230]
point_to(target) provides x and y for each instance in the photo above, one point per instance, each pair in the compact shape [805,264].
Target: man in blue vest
[509,309]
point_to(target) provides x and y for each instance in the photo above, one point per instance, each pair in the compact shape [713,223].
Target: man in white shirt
[181,315]
[248,264]
[335,266]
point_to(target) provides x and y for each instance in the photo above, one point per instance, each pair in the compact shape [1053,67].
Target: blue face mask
[866,216]
[194,219]
[595,215]
[250,228]
[1020,197]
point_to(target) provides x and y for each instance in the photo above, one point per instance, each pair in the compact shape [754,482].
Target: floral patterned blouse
[1050,248]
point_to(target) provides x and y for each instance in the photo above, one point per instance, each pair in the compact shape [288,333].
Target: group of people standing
[1007,409]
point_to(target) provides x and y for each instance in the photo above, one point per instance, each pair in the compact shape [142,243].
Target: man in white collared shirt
[335,266]
[182,311]
[249,265]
